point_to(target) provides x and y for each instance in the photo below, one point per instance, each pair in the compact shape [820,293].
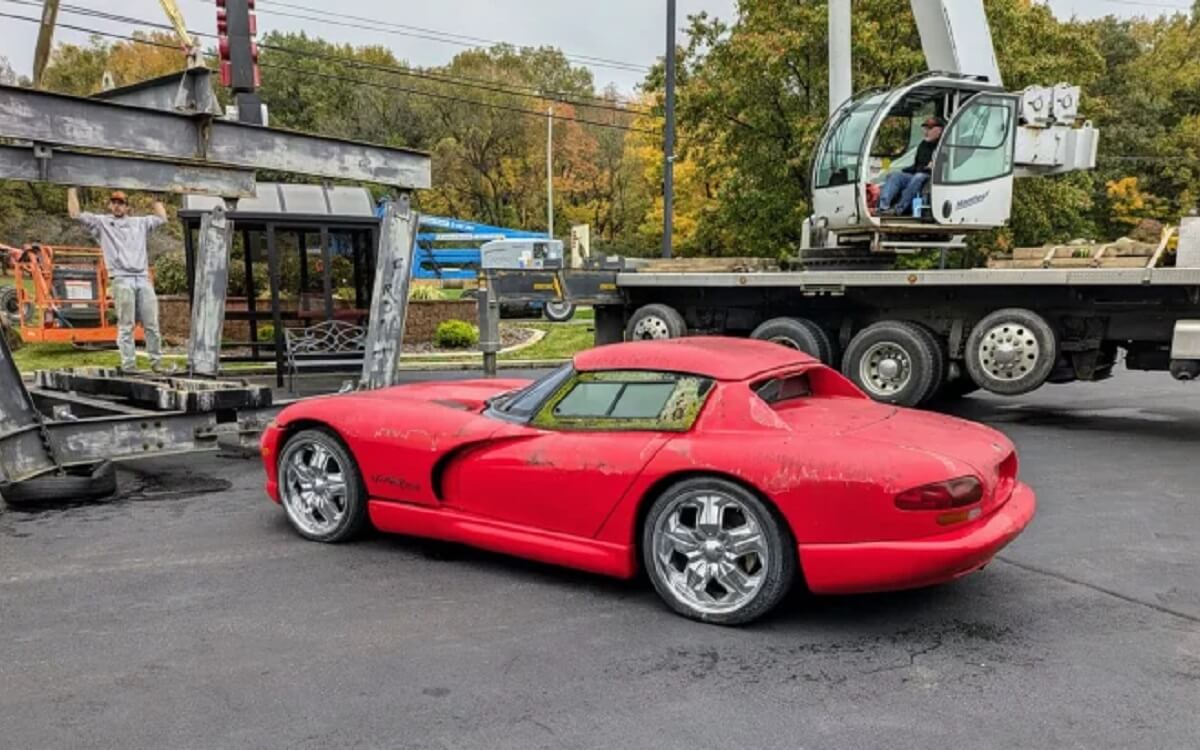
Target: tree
[8,76]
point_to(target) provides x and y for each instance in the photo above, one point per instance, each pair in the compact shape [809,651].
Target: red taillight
[953,493]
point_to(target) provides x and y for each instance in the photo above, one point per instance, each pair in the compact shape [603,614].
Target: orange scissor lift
[63,295]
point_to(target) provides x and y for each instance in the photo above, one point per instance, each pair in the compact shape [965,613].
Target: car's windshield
[521,404]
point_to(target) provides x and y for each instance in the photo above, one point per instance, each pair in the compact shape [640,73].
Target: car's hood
[458,394]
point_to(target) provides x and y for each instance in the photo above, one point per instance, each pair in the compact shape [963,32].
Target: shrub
[266,332]
[170,273]
[424,292]
[455,334]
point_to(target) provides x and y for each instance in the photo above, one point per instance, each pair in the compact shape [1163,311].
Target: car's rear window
[616,400]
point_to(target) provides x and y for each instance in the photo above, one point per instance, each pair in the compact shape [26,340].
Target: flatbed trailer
[909,337]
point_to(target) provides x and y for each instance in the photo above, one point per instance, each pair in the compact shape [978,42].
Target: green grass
[32,357]
[584,313]
[560,342]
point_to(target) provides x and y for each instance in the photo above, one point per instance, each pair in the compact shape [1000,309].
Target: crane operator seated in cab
[901,187]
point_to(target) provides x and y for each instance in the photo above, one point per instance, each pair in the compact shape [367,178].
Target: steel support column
[27,451]
[208,302]
[389,300]
[489,324]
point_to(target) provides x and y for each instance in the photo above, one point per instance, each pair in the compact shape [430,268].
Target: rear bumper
[889,566]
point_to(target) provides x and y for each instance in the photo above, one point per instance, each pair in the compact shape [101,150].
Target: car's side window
[625,400]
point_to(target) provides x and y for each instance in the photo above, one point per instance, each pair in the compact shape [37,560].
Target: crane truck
[909,337]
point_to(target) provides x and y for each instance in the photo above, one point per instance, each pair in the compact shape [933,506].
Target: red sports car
[724,468]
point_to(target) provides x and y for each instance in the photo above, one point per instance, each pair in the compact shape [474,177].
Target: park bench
[330,346]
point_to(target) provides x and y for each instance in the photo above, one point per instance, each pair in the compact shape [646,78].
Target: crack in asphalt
[1116,594]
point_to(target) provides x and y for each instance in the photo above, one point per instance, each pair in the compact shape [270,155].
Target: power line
[1144,4]
[496,88]
[579,100]
[374,84]
[430,34]
[447,97]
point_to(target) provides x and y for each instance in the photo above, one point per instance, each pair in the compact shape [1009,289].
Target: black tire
[556,314]
[10,306]
[1032,350]
[76,484]
[797,333]
[354,519]
[655,322]
[777,574]
[896,337]
[937,347]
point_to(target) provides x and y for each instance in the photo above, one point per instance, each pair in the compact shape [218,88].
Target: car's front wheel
[716,552]
[320,487]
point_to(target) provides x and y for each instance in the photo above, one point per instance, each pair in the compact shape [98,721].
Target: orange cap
[118,195]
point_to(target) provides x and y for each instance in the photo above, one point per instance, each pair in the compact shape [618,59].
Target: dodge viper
[724,469]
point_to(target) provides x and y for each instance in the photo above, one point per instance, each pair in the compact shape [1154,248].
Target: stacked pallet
[706,265]
[1123,253]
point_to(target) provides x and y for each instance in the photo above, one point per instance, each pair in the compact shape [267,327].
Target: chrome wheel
[313,486]
[711,551]
[885,369]
[1008,351]
[651,327]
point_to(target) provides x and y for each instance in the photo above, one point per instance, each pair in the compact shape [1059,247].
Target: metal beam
[389,301]
[208,302]
[57,119]
[162,394]
[42,164]
[189,90]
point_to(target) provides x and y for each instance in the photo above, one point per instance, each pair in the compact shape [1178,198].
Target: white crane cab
[877,133]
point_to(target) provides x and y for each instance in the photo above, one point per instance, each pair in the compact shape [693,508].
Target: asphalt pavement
[187,615]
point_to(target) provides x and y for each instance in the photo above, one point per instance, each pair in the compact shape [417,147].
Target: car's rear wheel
[716,552]
[320,486]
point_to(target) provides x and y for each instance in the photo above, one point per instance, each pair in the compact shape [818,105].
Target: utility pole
[669,137]
[841,86]
[550,172]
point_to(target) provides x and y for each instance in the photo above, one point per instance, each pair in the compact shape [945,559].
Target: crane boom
[956,38]
[175,16]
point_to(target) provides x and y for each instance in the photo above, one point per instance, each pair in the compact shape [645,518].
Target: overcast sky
[629,31]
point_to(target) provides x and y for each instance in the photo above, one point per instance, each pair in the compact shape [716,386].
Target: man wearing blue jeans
[123,239]
[901,187]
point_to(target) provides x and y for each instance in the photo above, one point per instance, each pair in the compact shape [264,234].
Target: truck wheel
[892,362]
[1011,351]
[655,322]
[797,333]
[938,349]
[558,312]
